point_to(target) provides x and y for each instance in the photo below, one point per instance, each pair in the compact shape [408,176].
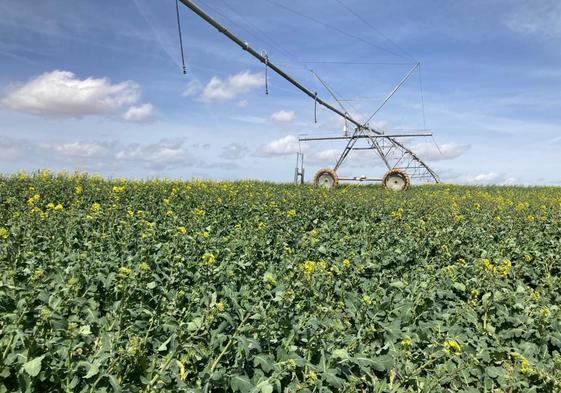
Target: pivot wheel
[396,180]
[326,178]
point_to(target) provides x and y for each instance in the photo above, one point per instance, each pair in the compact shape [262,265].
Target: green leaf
[332,379]
[267,388]
[495,372]
[195,324]
[263,361]
[164,345]
[240,383]
[459,286]
[93,370]
[397,284]
[85,330]
[340,354]
[33,367]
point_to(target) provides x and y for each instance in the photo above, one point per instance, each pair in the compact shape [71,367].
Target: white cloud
[75,149]
[250,119]
[62,94]
[193,88]
[355,159]
[11,150]
[536,17]
[432,152]
[234,151]
[165,153]
[327,155]
[103,155]
[283,117]
[280,147]
[492,178]
[236,85]
[139,114]
[243,103]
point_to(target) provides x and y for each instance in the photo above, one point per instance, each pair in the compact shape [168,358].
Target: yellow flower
[261,226]
[199,212]
[220,307]
[238,226]
[209,258]
[487,265]
[50,205]
[37,274]
[45,314]
[322,265]
[4,233]
[269,279]
[504,268]
[291,213]
[530,218]
[522,362]
[398,214]
[78,190]
[144,267]
[309,267]
[367,299]
[406,342]
[473,296]
[334,270]
[452,347]
[31,201]
[96,207]
[118,189]
[311,377]
[535,295]
[182,230]
[59,207]
[124,272]
[346,263]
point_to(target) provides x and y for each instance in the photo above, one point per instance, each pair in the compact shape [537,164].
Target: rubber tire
[321,179]
[396,180]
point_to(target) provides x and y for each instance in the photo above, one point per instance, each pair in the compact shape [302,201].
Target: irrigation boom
[408,160]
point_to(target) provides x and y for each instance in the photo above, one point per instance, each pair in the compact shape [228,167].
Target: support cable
[315,107]
[367,23]
[423,109]
[259,34]
[180,36]
[266,74]
[422,96]
[393,92]
[334,28]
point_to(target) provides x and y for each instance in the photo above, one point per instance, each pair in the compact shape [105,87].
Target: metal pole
[333,138]
[245,46]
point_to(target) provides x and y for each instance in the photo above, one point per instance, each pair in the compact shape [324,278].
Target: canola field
[130,286]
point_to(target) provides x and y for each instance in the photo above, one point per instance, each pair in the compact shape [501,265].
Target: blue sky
[97,86]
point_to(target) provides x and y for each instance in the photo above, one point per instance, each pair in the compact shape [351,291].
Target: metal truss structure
[402,164]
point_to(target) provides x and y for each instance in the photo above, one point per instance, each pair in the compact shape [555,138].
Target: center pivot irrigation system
[401,163]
